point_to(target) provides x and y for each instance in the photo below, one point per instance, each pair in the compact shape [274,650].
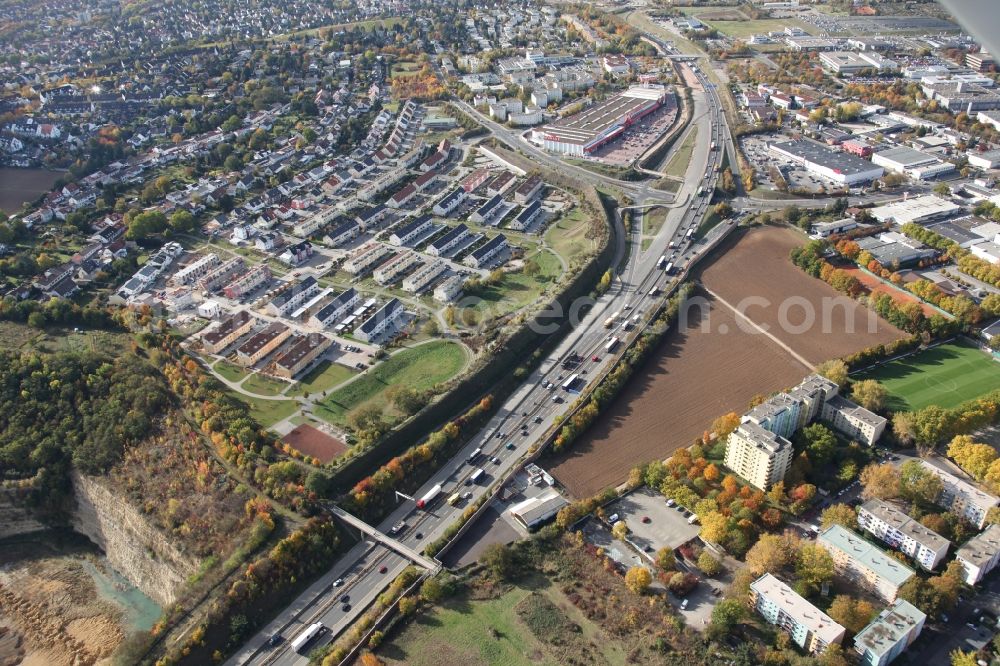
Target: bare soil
[52,614]
[756,265]
[694,377]
[715,364]
[316,443]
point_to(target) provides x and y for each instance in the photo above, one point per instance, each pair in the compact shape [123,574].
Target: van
[454,499]
[613,518]
[475,454]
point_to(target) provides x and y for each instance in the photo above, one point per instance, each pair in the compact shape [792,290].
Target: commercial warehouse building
[912,163]
[842,168]
[809,627]
[534,511]
[922,210]
[584,132]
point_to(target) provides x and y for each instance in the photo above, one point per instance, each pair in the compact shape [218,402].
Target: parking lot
[651,523]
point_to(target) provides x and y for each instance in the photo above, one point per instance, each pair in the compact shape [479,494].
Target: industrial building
[912,163]
[584,132]
[534,511]
[922,210]
[842,168]
[849,63]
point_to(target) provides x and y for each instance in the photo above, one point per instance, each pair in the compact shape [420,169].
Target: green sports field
[945,376]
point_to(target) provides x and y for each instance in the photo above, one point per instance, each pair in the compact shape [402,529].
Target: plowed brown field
[714,365]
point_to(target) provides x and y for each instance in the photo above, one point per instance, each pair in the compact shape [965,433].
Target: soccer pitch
[945,376]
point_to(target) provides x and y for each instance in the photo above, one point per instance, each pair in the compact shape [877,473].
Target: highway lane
[519,424]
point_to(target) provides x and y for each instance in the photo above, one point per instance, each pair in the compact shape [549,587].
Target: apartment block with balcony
[903,533]
[961,497]
[809,627]
[889,634]
[862,564]
[758,455]
[778,414]
[980,554]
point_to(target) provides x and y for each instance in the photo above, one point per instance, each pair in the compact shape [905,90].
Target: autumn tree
[771,553]
[725,424]
[665,559]
[852,614]
[714,526]
[638,579]
[620,529]
[835,370]
[972,457]
[919,485]
[880,482]
[839,514]
[726,615]
[708,564]
[869,393]
[813,565]
[960,657]
[711,472]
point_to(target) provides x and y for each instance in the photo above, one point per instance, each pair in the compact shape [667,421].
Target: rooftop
[892,516]
[817,153]
[914,209]
[867,555]
[980,549]
[819,623]
[892,625]
[957,486]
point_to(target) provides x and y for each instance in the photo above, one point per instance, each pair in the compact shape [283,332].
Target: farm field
[945,376]
[694,377]
[418,368]
[756,265]
[504,630]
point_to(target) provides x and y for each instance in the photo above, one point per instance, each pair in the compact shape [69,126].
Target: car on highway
[398,527]
[346,608]
[595,358]
[510,446]
[466,495]
[345,598]
[495,460]
[274,640]
[382,569]
[338,582]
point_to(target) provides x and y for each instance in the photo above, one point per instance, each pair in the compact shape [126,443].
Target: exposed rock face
[134,547]
[14,518]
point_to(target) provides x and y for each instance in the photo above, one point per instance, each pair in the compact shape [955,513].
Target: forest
[83,409]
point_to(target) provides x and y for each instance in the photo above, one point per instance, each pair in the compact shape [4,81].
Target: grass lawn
[530,624]
[323,377]
[418,368]
[681,159]
[945,376]
[233,373]
[652,220]
[517,289]
[568,235]
[269,412]
[262,385]
[16,336]
[610,170]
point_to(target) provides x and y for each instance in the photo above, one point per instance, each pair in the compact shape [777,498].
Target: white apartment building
[903,533]
[853,420]
[861,563]
[889,634]
[758,455]
[962,498]
[979,555]
[810,628]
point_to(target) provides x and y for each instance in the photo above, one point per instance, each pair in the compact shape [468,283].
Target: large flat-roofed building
[961,497]
[903,533]
[842,168]
[810,628]
[912,163]
[889,634]
[263,343]
[304,350]
[534,511]
[863,564]
[227,332]
[758,455]
[585,132]
[848,63]
[921,210]
[979,555]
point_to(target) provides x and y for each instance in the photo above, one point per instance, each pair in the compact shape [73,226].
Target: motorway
[342,594]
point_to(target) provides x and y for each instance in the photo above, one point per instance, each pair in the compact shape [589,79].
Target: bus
[430,496]
[568,384]
[303,639]
[669,268]
[478,474]
[610,347]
